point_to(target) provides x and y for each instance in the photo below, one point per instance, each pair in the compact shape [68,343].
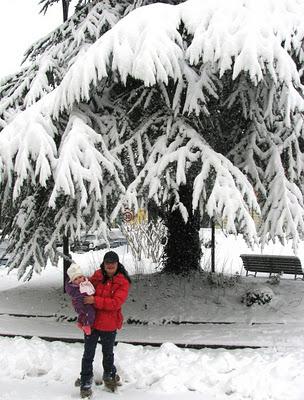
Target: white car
[88,242]
[93,242]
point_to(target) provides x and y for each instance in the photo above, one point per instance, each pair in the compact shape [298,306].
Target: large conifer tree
[202,95]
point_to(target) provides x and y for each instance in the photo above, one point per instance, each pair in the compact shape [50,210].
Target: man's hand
[88,300]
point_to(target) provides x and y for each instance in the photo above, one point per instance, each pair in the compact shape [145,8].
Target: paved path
[235,335]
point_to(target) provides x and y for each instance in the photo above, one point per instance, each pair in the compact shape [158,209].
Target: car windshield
[90,237]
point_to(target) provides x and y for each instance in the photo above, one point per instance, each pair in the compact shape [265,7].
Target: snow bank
[36,369]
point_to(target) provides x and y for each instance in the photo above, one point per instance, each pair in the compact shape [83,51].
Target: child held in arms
[79,287]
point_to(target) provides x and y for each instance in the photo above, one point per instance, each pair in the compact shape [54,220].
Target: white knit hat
[74,271]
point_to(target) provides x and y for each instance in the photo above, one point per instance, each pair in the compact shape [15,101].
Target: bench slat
[276,270]
[272,261]
[272,265]
[267,262]
[275,266]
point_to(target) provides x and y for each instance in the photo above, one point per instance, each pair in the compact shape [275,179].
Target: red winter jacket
[108,299]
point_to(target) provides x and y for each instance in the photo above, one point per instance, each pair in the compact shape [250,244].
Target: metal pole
[212,245]
[65,9]
[66,262]
[65,241]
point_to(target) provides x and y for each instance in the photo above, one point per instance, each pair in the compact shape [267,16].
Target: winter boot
[85,393]
[112,383]
[86,389]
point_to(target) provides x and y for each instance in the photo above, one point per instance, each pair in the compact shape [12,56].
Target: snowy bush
[275,279]
[261,295]
[221,280]
[146,240]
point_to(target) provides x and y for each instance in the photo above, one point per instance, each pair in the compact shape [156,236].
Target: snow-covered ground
[35,369]
[32,369]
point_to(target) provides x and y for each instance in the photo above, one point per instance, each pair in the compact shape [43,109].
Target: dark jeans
[107,340]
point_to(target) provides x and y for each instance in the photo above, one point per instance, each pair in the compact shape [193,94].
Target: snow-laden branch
[27,236]
[273,162]
[228,196]
[199,87]
[28,149]
[147,45]
[83,158]
[284,208]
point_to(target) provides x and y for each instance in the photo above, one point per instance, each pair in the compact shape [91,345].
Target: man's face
[110,267]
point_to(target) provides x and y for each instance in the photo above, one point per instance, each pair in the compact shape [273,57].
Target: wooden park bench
[272,264]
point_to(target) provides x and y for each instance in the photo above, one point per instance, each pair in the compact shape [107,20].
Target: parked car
[88,242]
[116,238]
[118,242]
[92,241]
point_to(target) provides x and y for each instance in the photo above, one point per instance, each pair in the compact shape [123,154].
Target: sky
[20,26]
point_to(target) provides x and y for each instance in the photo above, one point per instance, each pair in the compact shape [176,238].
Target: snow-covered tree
[203,95]
[47,62]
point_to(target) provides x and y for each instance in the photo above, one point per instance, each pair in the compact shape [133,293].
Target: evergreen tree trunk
[182,252]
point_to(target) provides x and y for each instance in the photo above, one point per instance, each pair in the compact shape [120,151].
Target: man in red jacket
[111,284]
